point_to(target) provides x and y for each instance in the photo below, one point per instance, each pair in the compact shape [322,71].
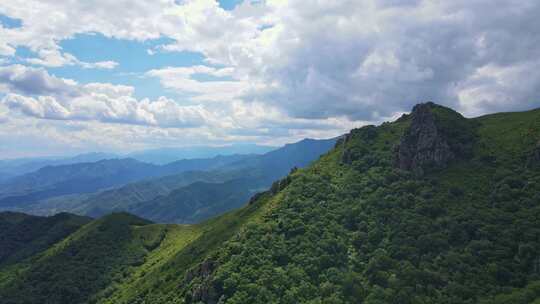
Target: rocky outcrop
[423,145]
[200,279]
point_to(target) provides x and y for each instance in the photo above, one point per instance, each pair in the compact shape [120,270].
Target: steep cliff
[436,136]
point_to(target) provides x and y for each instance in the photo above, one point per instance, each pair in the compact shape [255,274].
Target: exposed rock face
[203,291]
[423,145]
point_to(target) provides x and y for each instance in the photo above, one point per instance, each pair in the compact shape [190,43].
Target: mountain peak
[436,136]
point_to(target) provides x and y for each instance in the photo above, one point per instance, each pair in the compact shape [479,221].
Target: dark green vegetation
[352,228]
[25,235]
[460,223]
[81,265]
[198,201]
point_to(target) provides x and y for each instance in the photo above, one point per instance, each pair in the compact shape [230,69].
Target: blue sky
[125,75]
[8,22]
[229,4]
[133,58]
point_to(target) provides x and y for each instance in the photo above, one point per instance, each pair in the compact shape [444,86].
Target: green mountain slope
[432,208]
[123,198]
[75,269]
[199,201]
[118,259]
[355,228]
[24,235]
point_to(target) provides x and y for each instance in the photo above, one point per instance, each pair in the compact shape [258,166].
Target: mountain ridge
[128,184]
[355,227]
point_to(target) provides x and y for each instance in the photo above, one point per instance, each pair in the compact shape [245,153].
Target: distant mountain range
[188,190]
[87,177]
[15,167]
[431,208]
[168,155]
[201,200]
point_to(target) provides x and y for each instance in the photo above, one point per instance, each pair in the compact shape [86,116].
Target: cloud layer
[277,70]
[83,111]
[35,93]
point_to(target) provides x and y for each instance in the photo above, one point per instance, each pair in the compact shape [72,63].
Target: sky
[126,75]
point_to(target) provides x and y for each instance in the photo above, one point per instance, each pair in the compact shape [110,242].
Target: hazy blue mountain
[5,176]
[205,164]
[14,167]
[279,162]
[166,155]
[122,198]
[54,181]
[240,180]
[119,198]
[69,179]
[186,190]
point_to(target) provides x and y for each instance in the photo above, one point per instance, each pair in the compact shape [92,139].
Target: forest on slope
[431,208]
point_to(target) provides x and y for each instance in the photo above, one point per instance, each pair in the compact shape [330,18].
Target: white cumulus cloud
[276,70]
[34,92]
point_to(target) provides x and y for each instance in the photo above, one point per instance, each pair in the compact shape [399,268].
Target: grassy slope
[80,266]
[508,135]
[119,259]
[189,245]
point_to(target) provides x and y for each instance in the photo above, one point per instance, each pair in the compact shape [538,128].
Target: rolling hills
[431,208]
[25,235]
[15,167]
[182,193]
[88,177]
[164,156]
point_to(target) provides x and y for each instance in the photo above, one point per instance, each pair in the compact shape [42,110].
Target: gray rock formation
[423,145]
[202,291]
